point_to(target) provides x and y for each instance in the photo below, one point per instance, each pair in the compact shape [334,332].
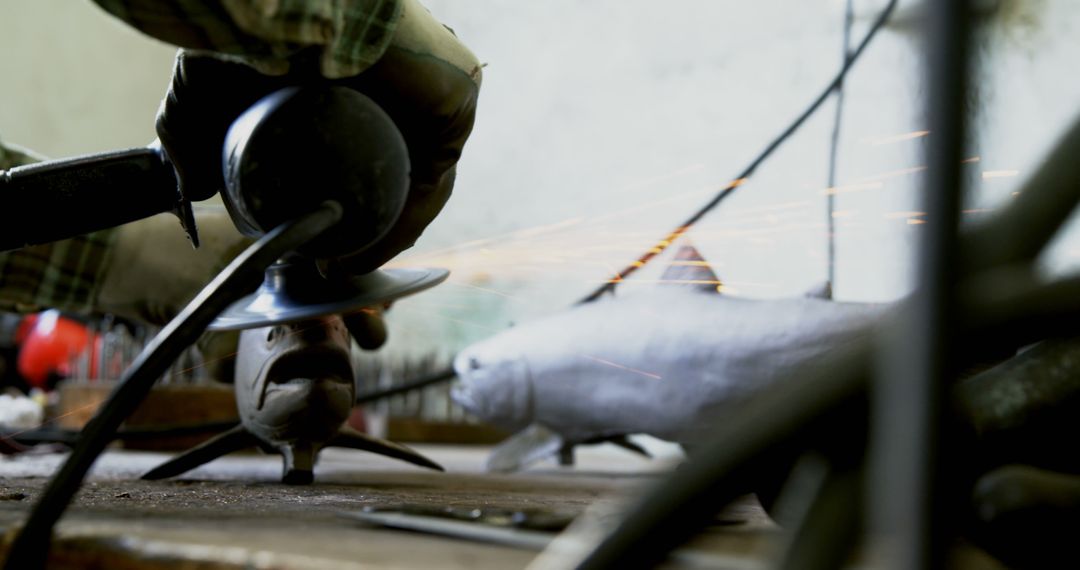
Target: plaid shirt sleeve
[352,34]
[61,274]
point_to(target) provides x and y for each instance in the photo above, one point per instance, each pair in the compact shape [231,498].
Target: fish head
[494,383]
[294,381]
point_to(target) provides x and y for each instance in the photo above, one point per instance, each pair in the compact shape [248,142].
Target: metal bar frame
[30,548]
[978,294]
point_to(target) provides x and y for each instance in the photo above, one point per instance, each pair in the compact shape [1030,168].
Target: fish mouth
[306,386]
[463,397]
[501,396]
[301,363]
[464,391]
[463,365]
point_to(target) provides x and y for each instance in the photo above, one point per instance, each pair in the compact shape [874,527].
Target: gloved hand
[205,96]
[367,327]
[426,81]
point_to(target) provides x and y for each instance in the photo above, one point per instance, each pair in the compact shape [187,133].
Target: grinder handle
[58,199]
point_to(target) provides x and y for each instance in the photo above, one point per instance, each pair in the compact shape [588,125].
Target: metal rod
[30,548]
[1016,309]
[738,180]
[828,534]
[407,386]
[834,148]
[913,385]
[1043,203]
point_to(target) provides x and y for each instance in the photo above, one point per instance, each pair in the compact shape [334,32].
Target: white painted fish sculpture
[656,362]
[294,391]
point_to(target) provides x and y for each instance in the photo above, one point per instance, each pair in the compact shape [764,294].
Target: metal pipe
[825,538]
[1043,203]
[912,387]
[834,148]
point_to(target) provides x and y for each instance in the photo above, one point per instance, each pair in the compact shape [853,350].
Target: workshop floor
[233,514]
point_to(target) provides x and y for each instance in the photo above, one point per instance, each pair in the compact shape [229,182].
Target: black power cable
[834,147]
[31,547]
[738,180]
[429,380]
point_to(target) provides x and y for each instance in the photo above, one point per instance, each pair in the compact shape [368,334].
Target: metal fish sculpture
[657,362]
[294,390]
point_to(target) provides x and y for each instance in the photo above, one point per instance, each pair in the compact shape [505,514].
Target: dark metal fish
[294,391]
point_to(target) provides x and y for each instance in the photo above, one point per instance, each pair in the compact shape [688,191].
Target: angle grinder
[289,153]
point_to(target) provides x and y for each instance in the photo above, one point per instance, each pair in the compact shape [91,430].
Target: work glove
[204,98]
[426,81]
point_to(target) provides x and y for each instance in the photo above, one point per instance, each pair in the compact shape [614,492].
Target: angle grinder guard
[293,290]
[286,155]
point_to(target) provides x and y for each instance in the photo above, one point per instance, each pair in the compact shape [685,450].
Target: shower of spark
[858,187]
[578,250]
[991,174]
[891,174]
[896,138]
[429,313]
[621,367]
[903,215]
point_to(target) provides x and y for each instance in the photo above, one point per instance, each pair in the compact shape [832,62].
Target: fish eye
[474,363]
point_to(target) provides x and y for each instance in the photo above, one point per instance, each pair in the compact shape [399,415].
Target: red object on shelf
[49,345]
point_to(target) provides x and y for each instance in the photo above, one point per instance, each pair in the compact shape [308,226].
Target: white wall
[604,123]
[74,80]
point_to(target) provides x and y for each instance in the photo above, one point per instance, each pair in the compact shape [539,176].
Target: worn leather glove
[426,81]
[205,96]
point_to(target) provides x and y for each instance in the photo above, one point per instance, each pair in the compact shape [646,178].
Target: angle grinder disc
[276,301]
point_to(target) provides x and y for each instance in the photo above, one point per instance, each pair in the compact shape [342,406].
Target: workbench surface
[233,513]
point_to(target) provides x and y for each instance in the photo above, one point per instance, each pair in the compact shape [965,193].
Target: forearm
[60,274]
[145,270]
[350,35]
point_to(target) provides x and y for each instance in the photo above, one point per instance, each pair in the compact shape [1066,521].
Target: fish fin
[820,290]
[352,439]
[224,443]
[689,269]
[625,443]
[524,448]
